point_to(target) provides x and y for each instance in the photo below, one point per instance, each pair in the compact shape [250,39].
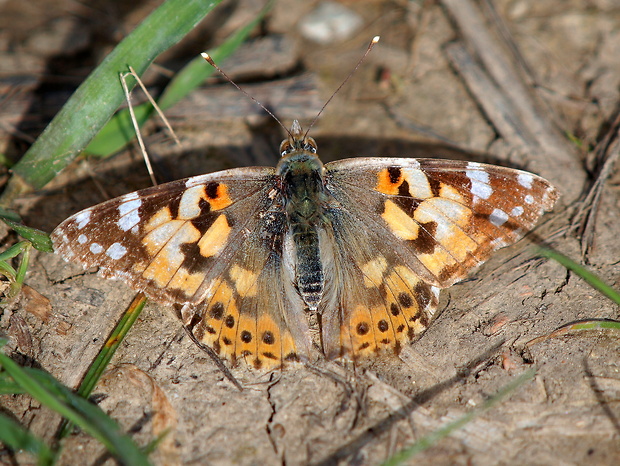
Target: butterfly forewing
[445,217]
[171,240]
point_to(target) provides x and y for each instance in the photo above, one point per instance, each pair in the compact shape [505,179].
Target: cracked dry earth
[336,413]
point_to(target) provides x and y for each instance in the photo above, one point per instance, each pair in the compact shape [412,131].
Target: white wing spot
[82,239]
[128,210]
[529,199]
[127,222]
[96,248]
[82,219]
[479,181]
[130,197]
[419,186]
[116,251]
[129,202]
[498,217]
[525,180]
[517,211]
[189,207]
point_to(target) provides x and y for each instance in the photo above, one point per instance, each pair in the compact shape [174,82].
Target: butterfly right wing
[405,228]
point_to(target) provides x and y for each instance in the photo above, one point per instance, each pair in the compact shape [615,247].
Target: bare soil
[413,96]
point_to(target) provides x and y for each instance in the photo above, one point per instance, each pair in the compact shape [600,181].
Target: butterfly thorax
[302,185]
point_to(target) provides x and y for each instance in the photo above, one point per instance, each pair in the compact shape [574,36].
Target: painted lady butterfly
[280,264]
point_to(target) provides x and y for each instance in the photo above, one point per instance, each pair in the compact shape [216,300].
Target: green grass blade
[16,277]
[119,131]
[16,437]
[197,70]
[14,251]
[39,239]
[105,355]
[94,102]
[90,418]
[595,324]
[8,385]
[588,324]
[7,271]
[102,360]
[431,439]
[9,215]
[590,278]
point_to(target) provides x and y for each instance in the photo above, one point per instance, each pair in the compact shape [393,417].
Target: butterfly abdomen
[309,271]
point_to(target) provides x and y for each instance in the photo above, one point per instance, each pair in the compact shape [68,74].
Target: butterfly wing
[212,243]
[253,310]
[373,298]
[415,226]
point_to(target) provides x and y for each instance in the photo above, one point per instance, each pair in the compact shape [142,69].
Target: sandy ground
[411,97]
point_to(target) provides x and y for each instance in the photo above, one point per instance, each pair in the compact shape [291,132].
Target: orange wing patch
[405,309]
[217,195]
[235,335]
[164,244]
[405,182]
[215,238]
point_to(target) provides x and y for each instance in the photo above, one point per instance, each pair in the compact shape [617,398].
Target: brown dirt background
[335,414]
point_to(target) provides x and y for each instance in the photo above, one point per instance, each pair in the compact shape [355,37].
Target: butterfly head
[297,141]
[300,172]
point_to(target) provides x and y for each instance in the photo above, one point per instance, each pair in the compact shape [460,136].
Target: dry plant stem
[529,120]
[136,126]
[497,107]
[155,106]
[147,161]
[585,219]
[504,32]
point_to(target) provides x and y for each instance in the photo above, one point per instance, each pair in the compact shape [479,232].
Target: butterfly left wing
[211,244]
[406,228]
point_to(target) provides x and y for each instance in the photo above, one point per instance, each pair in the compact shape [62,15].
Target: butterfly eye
[285,148]
[310,145]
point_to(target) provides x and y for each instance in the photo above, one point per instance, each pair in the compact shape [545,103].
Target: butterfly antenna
[207,57]
[373,42]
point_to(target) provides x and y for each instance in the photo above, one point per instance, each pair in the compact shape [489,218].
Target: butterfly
[344,259]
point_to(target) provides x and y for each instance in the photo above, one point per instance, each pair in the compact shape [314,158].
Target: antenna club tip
[375,39]
[207,57]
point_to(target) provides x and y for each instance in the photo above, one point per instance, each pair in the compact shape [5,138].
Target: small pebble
[330,22]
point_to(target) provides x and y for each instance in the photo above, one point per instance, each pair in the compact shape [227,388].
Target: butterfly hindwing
[252,310]
[379,303]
